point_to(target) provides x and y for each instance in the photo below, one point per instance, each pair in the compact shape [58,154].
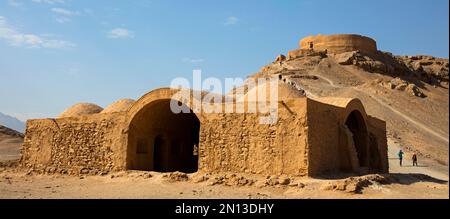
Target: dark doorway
[160,155]
[355,122]
[172,137]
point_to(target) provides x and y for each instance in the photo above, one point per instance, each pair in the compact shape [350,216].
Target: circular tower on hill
[338,43]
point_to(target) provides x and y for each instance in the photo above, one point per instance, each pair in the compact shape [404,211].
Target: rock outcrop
[402,85]
[428,68]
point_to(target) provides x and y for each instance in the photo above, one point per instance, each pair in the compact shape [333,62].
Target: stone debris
[176,176]
[355,184]
[200,177]
[284,180]
[412,89]
[229,180]
[301,185]
[138,174]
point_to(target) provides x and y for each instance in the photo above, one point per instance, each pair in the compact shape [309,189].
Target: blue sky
[54,53]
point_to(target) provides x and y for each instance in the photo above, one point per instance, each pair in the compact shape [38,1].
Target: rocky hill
[10,144]
[10,132]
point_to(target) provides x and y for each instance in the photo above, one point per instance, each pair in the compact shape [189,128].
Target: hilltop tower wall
[339,43]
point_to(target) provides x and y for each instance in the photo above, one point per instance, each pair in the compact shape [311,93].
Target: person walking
[414,159]
[400,156]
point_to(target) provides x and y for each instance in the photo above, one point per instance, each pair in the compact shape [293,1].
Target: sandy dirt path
[424,167]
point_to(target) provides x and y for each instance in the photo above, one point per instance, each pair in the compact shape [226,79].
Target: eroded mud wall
[238,143]
[377,131]
[323,138]
[88,144]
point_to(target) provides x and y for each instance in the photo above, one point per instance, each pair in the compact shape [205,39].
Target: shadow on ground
[410,178]
[399,178]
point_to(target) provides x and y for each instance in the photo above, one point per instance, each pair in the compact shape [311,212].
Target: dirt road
[424,167]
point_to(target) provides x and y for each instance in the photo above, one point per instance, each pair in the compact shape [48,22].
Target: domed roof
[121,105]
[80,109]
[285,91]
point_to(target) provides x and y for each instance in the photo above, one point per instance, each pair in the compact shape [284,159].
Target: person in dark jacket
[400,156]
[414,159]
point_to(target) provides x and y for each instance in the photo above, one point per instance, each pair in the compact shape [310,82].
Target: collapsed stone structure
[311,137]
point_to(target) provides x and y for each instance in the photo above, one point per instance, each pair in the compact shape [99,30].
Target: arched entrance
[357,126]
[161,140]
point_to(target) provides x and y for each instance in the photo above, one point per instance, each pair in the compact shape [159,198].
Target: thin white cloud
[51,2]
[65,12]
[62,20]
[15,38]
[190,60]
[232,20]
[64,15]
[120,33]
[15,3]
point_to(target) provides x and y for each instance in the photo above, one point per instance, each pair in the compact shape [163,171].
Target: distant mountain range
[12,123]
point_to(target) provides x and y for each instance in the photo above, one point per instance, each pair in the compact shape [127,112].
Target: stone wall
[238,143]
[339,43]
[87,144]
